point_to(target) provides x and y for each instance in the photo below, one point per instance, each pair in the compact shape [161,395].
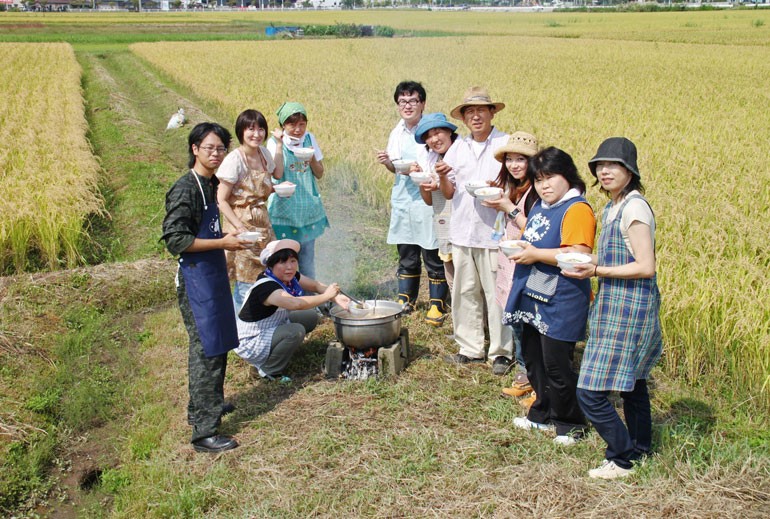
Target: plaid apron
[301,216]
[256,338]
[625,340]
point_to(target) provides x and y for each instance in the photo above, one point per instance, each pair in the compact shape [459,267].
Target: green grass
[71,379]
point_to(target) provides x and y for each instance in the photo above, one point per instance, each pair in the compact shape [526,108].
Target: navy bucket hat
[429,122]
[616,149]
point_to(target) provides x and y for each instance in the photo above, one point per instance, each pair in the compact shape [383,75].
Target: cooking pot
[380,327]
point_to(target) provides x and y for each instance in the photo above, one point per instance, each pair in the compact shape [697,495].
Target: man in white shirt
[474,251]
[411,220]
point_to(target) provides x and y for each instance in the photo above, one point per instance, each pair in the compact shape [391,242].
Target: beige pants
[474,285]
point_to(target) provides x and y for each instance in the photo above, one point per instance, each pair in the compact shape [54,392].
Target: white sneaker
[608,470]
[565,440]
[522,422]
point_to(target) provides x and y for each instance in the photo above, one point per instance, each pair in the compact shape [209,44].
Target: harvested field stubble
[696,113]
[48,173]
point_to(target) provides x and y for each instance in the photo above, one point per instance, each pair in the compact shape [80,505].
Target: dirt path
[137,103]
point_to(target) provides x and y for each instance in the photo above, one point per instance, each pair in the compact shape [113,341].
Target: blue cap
[430,121]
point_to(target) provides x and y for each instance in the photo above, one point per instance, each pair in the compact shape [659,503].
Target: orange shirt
[578,226]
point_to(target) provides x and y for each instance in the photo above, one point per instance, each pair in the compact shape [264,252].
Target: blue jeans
[239,294]
[625,442]
[517,331]
[307,258]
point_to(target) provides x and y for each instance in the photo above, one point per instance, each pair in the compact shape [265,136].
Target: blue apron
[208,289]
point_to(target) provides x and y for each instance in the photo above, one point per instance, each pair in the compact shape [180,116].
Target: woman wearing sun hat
[625,339]
[276,314]
[438,135]
[514,208]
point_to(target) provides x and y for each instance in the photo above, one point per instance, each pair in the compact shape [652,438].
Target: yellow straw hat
[519,142]
[475,96]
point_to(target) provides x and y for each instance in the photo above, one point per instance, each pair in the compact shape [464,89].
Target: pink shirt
[472,224]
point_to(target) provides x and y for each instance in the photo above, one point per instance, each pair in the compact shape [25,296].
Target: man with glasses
[191,230]
[411,220]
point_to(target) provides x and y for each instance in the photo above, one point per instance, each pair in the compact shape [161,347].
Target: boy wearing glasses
[191,230]
[411,220]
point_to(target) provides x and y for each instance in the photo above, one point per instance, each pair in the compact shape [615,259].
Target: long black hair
[517,188]
[200,132]
[553,161]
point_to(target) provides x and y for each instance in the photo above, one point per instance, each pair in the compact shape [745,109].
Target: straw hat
[616,149]
[519,142]
[475,96]
[275,246]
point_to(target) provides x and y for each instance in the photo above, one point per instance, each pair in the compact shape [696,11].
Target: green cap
[288,109]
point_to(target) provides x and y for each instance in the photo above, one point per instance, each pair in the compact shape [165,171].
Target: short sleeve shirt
[637,210]
[234,167]
[254,308]
[579,226]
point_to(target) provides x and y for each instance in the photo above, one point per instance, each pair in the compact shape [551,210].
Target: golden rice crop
[696,112]
[734,26]
[47,171]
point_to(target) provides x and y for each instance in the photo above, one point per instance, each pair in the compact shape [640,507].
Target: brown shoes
[520,386]
[526,403]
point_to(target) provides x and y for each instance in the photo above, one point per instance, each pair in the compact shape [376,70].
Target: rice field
[48,172]
[731,27]
[697,113]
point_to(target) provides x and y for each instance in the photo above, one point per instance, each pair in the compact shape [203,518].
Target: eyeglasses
[211,149]
[403,103]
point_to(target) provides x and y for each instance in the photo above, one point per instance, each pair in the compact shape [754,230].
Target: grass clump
[24,468]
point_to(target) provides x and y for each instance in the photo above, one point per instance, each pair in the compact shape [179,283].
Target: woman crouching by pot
[552,308]
[276,315]
[625,339]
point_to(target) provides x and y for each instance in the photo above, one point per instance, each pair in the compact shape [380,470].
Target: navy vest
[557,306]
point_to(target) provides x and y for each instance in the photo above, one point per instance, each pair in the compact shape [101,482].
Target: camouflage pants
[206,376]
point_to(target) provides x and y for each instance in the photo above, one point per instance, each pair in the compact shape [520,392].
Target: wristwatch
[513,214]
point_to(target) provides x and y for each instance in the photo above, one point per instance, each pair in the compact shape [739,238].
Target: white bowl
[402,166]
[568,260]
[285,189]
[488,193]
[357,310]
[303,153]
[420,177]
[511,247]
[471,187]
[251,236]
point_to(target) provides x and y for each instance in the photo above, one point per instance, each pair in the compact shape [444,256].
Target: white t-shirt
[234,168]
[636,210]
